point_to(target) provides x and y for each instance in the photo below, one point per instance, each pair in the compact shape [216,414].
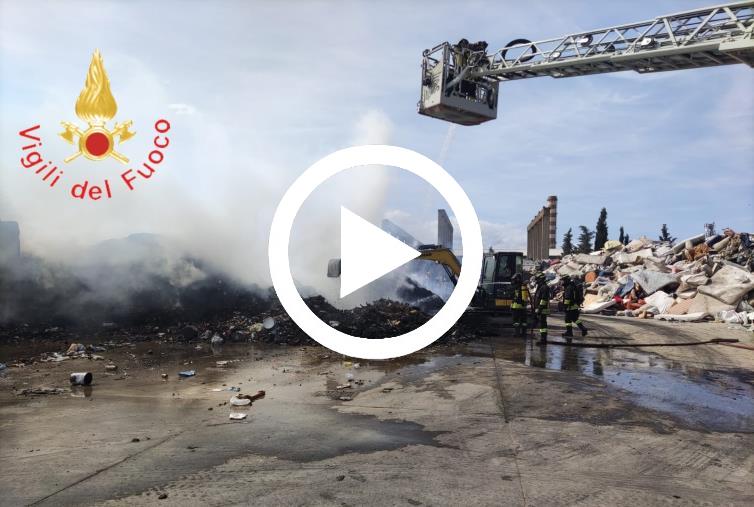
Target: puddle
[705,399]
[702,398]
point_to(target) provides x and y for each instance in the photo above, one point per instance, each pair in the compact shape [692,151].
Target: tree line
[589,240]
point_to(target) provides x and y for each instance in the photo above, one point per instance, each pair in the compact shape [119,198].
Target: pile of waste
[379,319]
[701,278]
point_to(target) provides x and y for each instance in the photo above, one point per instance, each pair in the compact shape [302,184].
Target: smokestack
[552,203]
[444,230]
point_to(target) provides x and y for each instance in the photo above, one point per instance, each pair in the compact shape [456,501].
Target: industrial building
[541,231]
[444,230]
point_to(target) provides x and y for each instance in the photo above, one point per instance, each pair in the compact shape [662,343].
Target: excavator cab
[449,92]
[495,291]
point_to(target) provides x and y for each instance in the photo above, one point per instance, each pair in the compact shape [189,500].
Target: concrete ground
[501,421]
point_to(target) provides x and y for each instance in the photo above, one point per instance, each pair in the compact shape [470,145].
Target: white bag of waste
[660,300]
[729,284]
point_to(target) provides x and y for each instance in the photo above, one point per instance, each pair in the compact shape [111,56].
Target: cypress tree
[585,239]
[600,233]
[567,245]
[665,235]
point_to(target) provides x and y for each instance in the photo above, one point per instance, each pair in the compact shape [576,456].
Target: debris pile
[701,278]
[379,319]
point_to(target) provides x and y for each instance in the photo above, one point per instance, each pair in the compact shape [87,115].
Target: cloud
[182,108]
[258,91]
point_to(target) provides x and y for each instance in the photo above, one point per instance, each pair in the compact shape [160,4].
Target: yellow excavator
[494,293]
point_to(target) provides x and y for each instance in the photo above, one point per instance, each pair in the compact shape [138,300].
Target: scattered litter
[250,397]
[111,367]
[240,402]
[164,376]
[187,373]
[222,364]
[233,389]
[217,340]
[54,357]
[75,348]
[2,366]
[81,379]
[237,416]
[39,391]
[344,386]
[268,323]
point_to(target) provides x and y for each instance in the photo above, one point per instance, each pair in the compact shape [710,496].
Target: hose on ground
[637,345]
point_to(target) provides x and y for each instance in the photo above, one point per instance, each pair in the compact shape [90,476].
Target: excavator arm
[443,256]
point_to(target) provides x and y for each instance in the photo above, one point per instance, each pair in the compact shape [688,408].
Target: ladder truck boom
[460,82]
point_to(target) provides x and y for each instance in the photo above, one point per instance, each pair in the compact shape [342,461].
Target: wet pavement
[701,398]
[93,444]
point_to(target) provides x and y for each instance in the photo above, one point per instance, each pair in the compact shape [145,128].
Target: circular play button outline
[363,156]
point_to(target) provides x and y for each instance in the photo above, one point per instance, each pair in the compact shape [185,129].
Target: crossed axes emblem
[97,142]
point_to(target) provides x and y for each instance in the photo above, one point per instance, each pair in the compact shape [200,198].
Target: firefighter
[518,306]
[542,305]
[573,297]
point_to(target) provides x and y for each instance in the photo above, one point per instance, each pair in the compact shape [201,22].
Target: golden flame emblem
[96,106]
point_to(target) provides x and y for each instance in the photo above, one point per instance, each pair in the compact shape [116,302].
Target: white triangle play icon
[367,252]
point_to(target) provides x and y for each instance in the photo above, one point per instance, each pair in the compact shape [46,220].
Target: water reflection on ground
[721,400]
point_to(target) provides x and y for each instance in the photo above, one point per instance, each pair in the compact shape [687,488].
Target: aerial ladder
[460,82]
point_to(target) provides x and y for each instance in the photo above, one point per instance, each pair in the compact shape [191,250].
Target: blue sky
[257,91]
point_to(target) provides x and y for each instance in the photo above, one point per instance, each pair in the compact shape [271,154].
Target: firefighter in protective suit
[518,305]
[573,297]
[542,305]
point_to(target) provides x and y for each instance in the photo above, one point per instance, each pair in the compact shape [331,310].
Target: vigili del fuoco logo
[96,106]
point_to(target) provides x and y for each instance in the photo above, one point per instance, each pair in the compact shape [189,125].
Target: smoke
[315,238]
[163,241]
[134,280]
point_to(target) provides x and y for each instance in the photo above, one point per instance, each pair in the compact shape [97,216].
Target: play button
[367,252]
